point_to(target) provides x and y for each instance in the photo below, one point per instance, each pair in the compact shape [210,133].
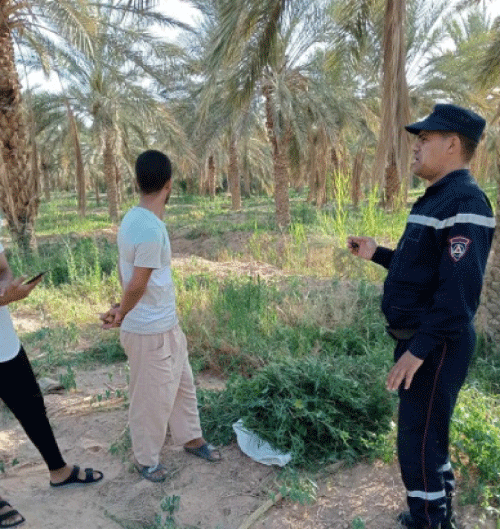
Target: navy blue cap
[451,118]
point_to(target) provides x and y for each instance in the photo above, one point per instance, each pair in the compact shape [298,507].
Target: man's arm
[132,294]
[456,299]
[383,256]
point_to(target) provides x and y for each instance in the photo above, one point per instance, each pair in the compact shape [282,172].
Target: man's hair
[467,145]
[152,170]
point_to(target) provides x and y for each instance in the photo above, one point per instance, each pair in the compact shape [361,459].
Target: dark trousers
[425,412]
[21,394]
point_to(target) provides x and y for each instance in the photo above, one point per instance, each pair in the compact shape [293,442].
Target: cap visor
[430,125]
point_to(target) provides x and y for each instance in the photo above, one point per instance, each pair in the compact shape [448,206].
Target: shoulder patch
[459,246]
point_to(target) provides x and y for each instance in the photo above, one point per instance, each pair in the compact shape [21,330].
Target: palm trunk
[392,183]
[489,311]
[311,196]
[281,187]
[45,179]
[110,175]
[211,176]
[97,194]
[119,184]
[357,169]
[19,199]
[246,178]
[234,175]
[280,164]
[336,170]
[202,183]
[322,166]
[80,170]
[393,150]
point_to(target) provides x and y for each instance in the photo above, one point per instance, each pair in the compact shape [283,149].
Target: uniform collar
[454,178]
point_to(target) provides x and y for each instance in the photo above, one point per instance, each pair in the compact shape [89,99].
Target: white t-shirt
[9,342]
[143,242]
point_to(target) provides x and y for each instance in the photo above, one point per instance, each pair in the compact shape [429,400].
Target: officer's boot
[449,521]
[407,522]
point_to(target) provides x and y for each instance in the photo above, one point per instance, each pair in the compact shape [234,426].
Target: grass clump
[475,436]
[68,260]
[320,410]
[240,324]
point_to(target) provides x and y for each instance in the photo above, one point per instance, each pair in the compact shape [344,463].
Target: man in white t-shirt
[162,390]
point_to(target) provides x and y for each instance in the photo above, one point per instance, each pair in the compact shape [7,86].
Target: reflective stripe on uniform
[445,467]
[427,495]
[474,219]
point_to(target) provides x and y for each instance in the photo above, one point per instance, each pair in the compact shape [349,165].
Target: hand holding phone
[35,278]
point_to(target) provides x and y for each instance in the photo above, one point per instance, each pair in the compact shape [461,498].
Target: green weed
[122,446]
[107,351]
[475,436]
[68,380]
[320,410]
[358,523]
[297,486]
[165,520]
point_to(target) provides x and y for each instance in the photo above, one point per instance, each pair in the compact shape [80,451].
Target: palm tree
[31,24]
[271,62]
[397,37]
[219,132]
[106,89]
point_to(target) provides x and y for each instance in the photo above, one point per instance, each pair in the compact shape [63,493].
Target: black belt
[401,333]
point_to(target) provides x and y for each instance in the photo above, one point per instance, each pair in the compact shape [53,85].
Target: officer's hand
[362,246]
[404,369]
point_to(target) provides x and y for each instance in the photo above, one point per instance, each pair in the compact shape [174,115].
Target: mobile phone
[35,278]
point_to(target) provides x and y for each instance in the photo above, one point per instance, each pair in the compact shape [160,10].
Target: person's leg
[22,395]
[415,449]
[152,389]
[184,419]
[423,432]
[453,376]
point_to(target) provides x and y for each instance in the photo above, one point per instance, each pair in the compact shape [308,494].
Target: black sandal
[8,515]
[74,480]
[205,451]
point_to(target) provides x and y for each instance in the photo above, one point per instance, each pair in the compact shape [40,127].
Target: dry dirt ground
[220,495]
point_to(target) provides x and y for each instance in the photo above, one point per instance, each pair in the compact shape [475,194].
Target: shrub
[320,410]
[475,436]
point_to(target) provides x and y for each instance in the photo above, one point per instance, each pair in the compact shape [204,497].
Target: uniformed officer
[431,295]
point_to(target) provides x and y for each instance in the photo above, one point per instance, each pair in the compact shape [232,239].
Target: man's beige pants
[162,392]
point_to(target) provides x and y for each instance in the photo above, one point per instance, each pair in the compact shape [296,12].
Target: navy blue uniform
[431,295]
